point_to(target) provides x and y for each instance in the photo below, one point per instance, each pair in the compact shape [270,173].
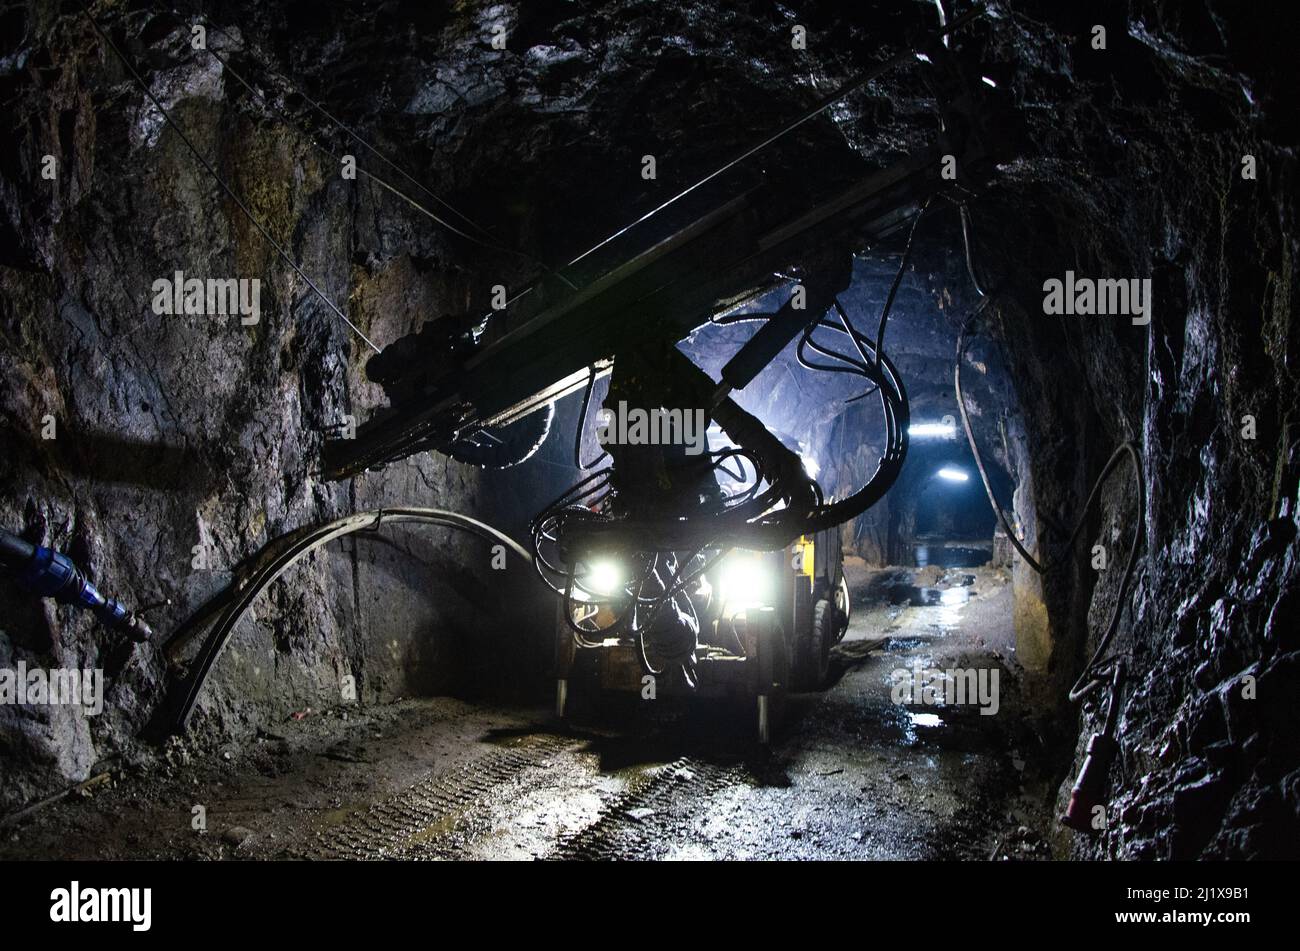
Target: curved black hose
[274,560]
[1091,678]
[14,550]
[967,241]
[898,277]
[970,438]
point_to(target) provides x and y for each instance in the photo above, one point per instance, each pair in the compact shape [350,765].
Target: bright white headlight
[745,581]
[602,578]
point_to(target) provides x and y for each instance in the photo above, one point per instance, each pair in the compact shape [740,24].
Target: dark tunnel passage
[267,266]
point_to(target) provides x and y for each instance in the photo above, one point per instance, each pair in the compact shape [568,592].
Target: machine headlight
[746,580]
[602,579]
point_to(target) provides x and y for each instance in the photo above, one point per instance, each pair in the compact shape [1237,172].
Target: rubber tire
[820,640]
[843,607]
[812,650]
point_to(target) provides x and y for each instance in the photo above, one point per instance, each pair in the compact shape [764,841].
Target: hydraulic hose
[1091,676]
[979,462]
[275,559]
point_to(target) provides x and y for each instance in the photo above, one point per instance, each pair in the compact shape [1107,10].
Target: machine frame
[754,649]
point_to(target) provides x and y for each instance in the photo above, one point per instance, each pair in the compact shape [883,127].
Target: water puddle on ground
[949,556]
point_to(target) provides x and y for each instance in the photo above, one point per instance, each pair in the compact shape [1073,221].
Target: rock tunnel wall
[1140,189]
[162,451]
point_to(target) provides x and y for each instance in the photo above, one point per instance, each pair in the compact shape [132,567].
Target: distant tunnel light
[944,430]
[952,475]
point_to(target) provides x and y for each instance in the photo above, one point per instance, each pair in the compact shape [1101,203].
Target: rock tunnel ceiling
[269,268]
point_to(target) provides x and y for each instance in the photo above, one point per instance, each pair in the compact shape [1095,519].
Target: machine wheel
[843,608]
[814,648]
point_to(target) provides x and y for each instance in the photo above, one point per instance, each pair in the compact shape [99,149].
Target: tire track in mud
[668,797]
[411,823]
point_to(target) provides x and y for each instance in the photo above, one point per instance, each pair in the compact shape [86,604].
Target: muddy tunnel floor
[850,773]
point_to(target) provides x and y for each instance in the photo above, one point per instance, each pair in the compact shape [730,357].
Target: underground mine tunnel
[649,430]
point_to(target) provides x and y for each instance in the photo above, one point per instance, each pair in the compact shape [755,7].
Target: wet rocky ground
[850,774]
